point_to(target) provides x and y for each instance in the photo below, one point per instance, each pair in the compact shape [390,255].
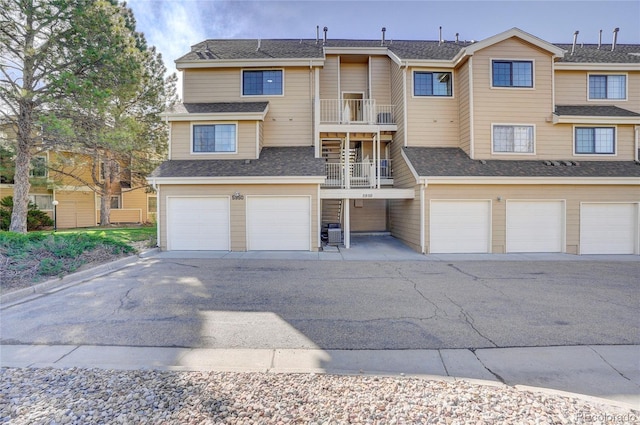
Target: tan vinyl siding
[397,99]
[354,77]
[238,207]
[136,200]
[368,215]
[461,87]
[329,78]
[380,69]
[404,220]
[289,121]
[572,89]
[573,195]
[211,85]
[513,105]
[433,119]
[181,142]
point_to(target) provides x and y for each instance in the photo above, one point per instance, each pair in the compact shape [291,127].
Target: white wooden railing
[361,174]
[355,111]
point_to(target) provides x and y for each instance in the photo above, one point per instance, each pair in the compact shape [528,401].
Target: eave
[508,180]
[237,180]
[228,116]
[592,66]
[249,63]
[581,119]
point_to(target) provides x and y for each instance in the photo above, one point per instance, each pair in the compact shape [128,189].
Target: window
[262,83]
[607,87]
[214,138]
[43,202]
[513,138]
[152,204]
[103,170]
[512,73]
[595,140]
[38,168]
[115,202]
[432,84]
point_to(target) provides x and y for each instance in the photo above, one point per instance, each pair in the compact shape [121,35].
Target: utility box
[334,234]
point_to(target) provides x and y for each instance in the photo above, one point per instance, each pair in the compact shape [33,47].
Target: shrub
[36,219]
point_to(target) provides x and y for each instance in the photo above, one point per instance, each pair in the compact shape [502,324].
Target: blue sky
[174,25]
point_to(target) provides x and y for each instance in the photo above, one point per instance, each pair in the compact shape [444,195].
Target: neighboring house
[78,205]
[510,144]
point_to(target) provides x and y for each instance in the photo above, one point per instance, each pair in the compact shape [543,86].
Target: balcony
[355,111]
[360,174]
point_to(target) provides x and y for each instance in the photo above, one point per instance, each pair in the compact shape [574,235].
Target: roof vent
[440,36]
[615,38]
[575,38]
[259,43]
[599,39]
[457,37]
[546,162]
[383,31]
[247,161]
[317,34]
[324,42]
[483,162]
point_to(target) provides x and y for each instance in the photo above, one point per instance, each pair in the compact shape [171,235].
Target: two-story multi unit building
[510,144]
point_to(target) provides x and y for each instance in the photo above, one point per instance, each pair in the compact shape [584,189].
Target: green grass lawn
[26,259]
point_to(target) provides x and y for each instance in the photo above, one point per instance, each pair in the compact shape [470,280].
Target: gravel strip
[94,396]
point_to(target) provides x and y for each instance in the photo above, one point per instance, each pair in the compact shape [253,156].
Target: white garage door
[535,226]
[460,226]
[198,223]
[279,223]
[608,228]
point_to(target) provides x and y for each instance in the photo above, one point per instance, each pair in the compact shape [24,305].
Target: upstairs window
[432,84]
[607,87]
[262,83]
[43,202]
[38,168]
[595,140]
[513,139]
[214,138]
[512,73]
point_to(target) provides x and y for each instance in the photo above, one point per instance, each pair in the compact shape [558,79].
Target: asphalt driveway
[239,303]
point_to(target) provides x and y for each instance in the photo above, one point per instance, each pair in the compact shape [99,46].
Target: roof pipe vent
[259,43]
[440,36]
[575,39]
[324,42]
[383,31]
[599,39]
[615,39]
[317,34]
[457,37]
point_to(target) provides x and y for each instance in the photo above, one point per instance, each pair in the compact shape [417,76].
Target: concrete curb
[54,285]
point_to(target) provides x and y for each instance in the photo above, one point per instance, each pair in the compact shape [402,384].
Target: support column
[347,165]
[347,223]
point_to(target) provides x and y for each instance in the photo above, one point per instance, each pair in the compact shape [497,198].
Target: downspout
[423,248]
[637,143]
[316,111]
[471,107]
[404,103]
[157,188]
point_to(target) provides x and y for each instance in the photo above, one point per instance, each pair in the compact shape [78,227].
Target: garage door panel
[535,226]
[198,223]
[608,228]
[279,223]
[460,226]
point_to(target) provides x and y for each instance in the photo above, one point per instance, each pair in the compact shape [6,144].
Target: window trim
[432,96]
[595,154]
[260,95]
[193,124]
[606,74]
[533,73]
[494,125]
[50,195]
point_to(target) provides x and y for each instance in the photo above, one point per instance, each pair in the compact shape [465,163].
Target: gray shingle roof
[594,111]
[247,49]
[279,162]
[220,107]
[589,53]
[454,162]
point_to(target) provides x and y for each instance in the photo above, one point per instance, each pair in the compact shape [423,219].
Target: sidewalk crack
[67,354]
[610,365]
[488,369]
[467,317]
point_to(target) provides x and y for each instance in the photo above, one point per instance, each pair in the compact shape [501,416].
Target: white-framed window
[513,139]
[595,140]
[103,170]
[43,202]
[262,82]
[214,138]
[607,87]
[427,83]
[152,204]
[38,169]
[115,202]
[512,73]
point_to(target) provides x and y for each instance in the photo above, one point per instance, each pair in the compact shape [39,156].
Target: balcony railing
[360,174]
[355,111]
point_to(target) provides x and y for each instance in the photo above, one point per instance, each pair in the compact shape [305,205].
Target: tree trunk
[21,189]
